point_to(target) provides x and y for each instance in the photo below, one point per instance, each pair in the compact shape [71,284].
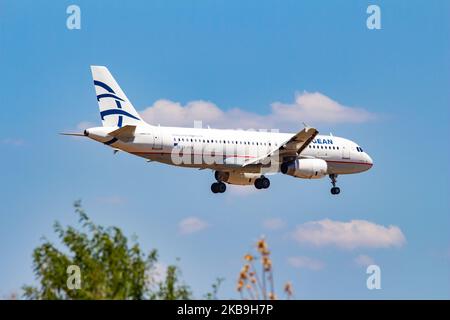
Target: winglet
[307,127]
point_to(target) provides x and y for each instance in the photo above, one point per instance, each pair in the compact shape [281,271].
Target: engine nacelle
[236,177]
[305,168]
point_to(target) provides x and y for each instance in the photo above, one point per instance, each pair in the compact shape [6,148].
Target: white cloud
[364,260]
[305,262]
[349,235]
[191,225]
[316,107]
[307,107]
[274,224]
[12,141]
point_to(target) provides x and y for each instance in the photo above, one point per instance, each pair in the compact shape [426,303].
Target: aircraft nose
[369,159]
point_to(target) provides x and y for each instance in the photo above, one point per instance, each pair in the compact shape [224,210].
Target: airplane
[237,157]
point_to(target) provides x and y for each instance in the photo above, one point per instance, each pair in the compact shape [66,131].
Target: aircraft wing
[290,148]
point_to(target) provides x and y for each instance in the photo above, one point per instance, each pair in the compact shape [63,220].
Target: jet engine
[305,168]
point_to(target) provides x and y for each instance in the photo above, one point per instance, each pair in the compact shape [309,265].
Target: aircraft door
[345,152]
[157,138]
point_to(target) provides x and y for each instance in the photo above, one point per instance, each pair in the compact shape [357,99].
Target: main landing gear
[262,183]
[221,177]
[218,187]
[334,190]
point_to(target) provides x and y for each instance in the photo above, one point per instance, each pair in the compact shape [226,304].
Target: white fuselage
[228,150]
[238,157]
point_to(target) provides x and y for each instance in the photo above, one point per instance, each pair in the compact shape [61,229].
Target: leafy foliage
[111,268]
[170,289]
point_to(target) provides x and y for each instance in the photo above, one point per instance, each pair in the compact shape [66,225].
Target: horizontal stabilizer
[125,133]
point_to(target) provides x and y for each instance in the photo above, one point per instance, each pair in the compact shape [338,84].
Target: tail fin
[115,108]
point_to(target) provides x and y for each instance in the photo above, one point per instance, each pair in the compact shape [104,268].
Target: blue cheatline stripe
[110,141]
[103,85]
[116,111]
[118,104]
[108,95]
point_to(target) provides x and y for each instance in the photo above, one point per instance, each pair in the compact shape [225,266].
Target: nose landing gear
[334,190]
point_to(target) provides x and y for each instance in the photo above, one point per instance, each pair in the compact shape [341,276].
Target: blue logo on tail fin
[113,95]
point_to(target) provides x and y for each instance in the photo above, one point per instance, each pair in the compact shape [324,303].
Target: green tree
[110,267]
[171,288]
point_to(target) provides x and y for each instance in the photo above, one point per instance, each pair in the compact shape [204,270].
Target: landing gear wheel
[218,187]
[265,183]
[258,183]
[222,187]
[262,183]
[335,190]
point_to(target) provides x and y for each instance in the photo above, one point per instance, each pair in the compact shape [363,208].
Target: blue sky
[241,56]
